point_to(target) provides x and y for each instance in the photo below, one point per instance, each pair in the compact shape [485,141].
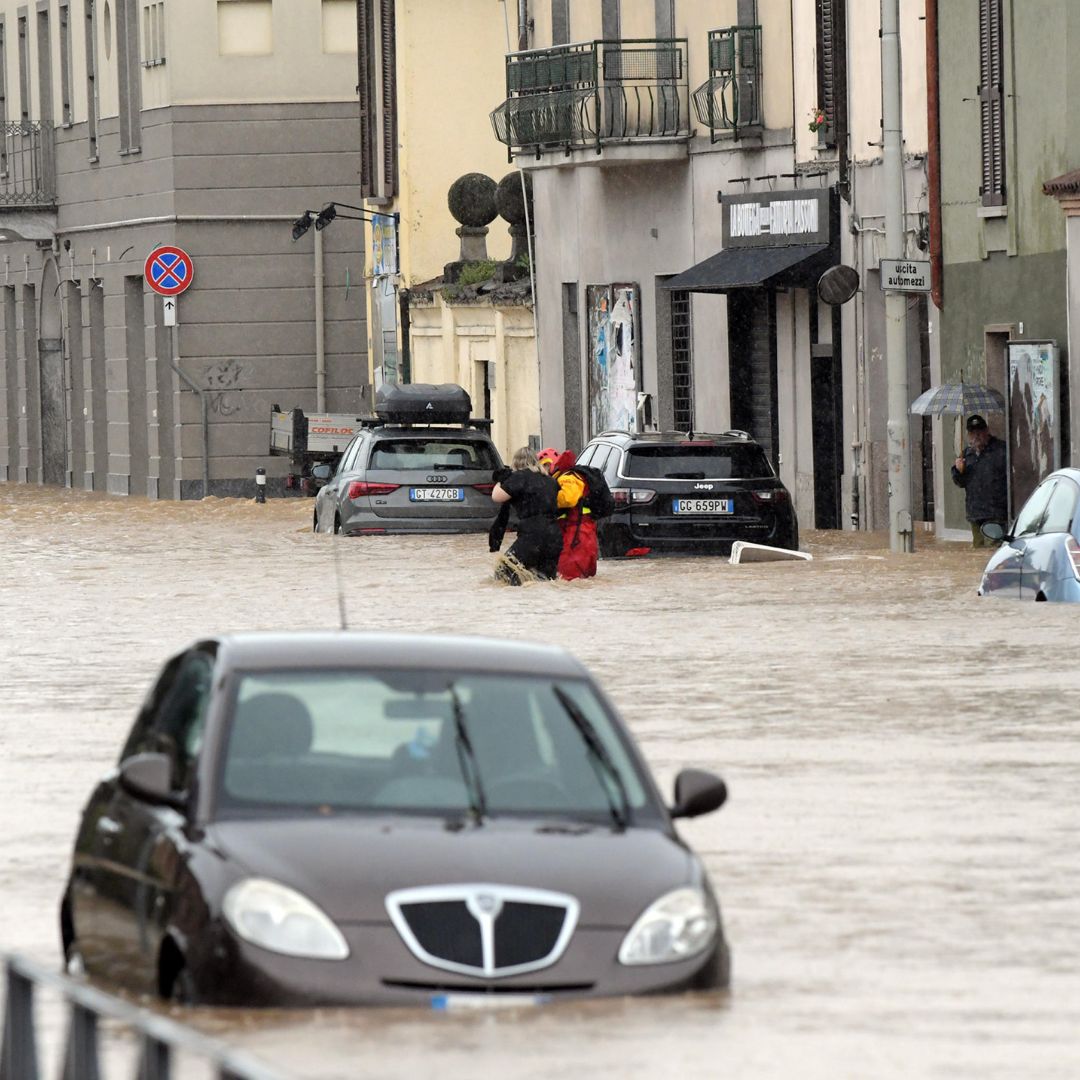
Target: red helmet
[548,456]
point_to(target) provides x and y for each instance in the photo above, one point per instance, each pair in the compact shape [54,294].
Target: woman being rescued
[533,494]
[579,549]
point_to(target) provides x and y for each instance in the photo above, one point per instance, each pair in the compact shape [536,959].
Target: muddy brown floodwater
[897,863]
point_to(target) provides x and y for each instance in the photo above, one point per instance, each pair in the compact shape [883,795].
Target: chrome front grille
[491,931]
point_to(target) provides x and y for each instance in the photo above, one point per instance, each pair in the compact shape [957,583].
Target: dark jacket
[985,482]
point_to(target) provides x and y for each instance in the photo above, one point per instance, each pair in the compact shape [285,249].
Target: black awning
[797,265]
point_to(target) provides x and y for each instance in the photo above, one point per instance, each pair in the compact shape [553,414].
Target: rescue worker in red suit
[579,550]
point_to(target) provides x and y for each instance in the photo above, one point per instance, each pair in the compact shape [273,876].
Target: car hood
[348,865]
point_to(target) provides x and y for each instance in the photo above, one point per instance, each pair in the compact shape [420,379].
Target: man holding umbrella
[982,472]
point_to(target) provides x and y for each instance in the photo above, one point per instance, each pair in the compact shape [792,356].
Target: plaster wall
[451,74]
[483,333]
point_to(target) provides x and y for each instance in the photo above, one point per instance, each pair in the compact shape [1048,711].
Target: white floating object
[744,552]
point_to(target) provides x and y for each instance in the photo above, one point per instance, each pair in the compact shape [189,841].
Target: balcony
[729,103]
[27,173]
[593,94]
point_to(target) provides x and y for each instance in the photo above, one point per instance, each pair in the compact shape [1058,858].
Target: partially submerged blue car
[1039,556]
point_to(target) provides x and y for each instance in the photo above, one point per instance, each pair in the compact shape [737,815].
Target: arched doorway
[54,428]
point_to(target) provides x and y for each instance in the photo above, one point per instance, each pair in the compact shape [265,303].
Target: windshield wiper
[467,760]
[600,759]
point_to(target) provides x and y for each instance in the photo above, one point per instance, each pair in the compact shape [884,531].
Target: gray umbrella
[958,399]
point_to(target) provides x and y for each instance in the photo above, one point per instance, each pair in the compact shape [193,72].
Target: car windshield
[387,741]
[696,461]
[429,454]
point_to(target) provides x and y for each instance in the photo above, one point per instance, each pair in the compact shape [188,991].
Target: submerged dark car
[350,818]
[689,493]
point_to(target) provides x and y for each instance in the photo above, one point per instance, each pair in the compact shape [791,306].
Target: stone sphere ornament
[472,200]
[509,200]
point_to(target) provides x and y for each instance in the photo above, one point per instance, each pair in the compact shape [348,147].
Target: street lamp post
[901,533]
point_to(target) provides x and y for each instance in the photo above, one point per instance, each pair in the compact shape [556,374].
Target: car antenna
[340,586]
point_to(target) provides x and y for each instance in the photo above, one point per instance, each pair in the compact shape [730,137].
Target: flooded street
[896,863]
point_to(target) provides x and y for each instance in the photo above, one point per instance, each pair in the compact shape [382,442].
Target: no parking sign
[168,270]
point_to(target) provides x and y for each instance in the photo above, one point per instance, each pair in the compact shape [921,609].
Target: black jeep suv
[689,492]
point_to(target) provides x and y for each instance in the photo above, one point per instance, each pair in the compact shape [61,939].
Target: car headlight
[282,920]
[675,927]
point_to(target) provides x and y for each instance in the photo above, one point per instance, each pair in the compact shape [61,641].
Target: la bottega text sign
[168,270]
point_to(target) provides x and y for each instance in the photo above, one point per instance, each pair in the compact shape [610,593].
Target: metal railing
[730,101]
[573,97]
[27,171]
[158,1038]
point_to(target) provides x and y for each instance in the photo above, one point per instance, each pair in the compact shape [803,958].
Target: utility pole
[901,534]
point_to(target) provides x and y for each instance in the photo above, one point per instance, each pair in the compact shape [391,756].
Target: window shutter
[992,103]
[388,97]
[832,69]
[365,30]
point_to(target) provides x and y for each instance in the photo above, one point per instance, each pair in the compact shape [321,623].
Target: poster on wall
[1034,423]
[614,370]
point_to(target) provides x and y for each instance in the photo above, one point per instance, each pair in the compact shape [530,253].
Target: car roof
[673,438]
[420,652]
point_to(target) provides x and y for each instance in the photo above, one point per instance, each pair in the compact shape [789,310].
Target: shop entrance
[752,367]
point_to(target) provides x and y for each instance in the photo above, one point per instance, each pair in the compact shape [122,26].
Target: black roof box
[422,403]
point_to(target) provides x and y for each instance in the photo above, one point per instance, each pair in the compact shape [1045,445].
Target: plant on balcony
[818,120]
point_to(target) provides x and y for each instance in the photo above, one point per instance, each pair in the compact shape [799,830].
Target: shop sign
[777,218]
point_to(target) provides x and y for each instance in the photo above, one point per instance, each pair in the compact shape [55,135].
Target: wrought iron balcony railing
[572,97]
[730,101]
[27,172]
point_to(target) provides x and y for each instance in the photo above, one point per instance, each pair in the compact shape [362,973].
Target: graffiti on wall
[614,369]
[1034,434]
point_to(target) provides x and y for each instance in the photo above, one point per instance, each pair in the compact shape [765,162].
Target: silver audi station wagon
[422,464]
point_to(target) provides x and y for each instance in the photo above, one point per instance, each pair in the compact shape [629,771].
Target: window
[832,70]
[339,26]
[560,22]
[245,27]
[153,34]
[1030,517]
[3,99]
[377,40]
[347,459]
[1061,509]
[91,80]
[44,65]
[129,76]
[24,69]
[992,103]
[601,457]
[66,117]
[173,717]
[432,454]
[388,740]
[701,461]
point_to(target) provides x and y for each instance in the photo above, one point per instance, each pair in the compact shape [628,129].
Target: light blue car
[1039,558]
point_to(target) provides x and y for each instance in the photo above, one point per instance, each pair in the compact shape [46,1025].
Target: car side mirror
[698,792]
[149,777]
[321,473]
[992,531]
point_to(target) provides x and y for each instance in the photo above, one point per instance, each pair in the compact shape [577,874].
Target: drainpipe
[523,25]
[320,327]
[901,534]
[937,282]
